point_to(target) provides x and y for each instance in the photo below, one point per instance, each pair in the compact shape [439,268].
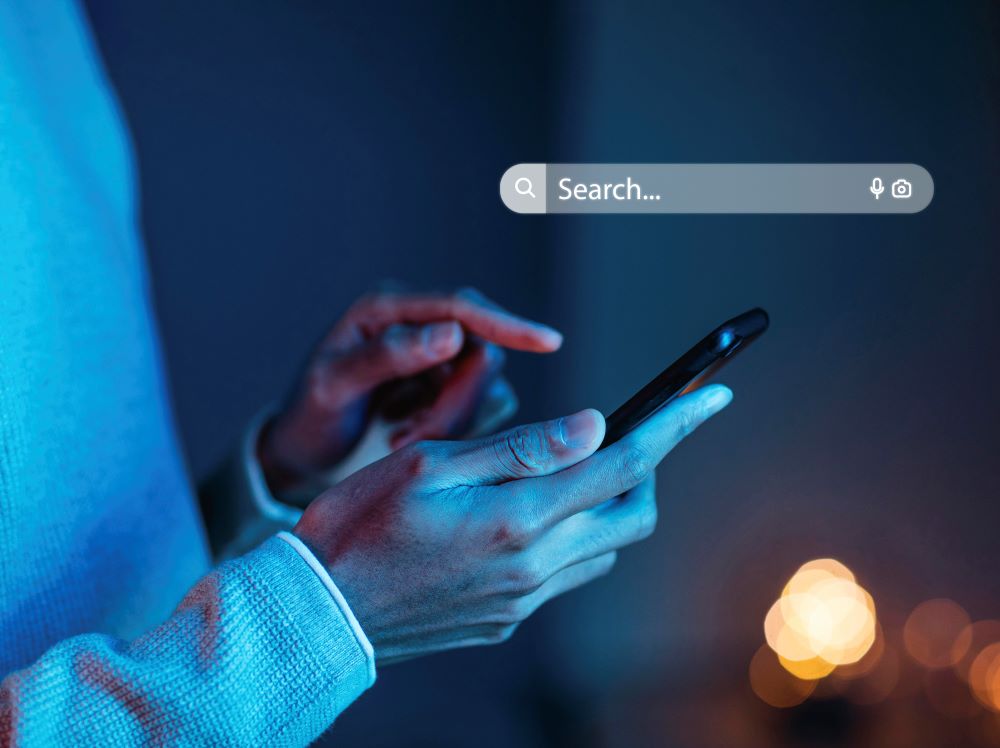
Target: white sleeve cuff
[338,598]
[267,506]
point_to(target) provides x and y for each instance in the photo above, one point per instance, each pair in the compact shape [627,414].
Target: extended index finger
[471,309]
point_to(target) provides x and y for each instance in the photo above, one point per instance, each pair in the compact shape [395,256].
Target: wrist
[327,539]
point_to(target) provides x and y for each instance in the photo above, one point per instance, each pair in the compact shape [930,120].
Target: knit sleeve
[259,652]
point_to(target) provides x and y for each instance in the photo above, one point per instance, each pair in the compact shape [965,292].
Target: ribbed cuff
[338,598]
[339,665]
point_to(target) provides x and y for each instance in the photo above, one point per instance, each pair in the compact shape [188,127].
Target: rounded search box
[717,188]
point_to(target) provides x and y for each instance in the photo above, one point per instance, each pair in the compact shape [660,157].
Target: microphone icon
[877,187]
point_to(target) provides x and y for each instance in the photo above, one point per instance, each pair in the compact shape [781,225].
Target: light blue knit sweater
[100,539]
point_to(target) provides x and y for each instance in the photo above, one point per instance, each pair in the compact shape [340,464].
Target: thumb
[531,450]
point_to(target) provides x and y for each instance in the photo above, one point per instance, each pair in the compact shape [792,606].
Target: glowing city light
[823,619]
[824,626]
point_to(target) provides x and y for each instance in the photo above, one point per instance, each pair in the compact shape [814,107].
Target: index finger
[472,310]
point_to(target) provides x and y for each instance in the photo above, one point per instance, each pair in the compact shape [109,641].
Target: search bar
[716,188]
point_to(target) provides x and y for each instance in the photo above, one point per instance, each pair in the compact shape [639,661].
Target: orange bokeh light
[831,566]
[937,633]
[867,663]
[822,620]
[981,634]
[773,684]
[984,677]
[811,669]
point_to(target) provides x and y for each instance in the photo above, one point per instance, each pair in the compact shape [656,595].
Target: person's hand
[450,544]
[431,363]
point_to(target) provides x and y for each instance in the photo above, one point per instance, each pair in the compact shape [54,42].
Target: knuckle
[636,462]
[511,533]
[527,450]
[526,577]
[418,458]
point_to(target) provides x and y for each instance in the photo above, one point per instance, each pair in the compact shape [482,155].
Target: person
[114,627]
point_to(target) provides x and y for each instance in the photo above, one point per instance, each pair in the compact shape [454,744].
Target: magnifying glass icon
[523,186]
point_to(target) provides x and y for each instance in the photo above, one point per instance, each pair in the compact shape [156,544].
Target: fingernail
[717,397]
[578,430]
[555,338]
[442,338]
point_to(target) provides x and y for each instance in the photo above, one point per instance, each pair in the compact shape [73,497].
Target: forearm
[259,652]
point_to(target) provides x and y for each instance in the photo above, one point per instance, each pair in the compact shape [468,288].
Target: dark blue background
[293,154]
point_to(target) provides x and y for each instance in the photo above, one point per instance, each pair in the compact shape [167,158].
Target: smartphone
[688,372]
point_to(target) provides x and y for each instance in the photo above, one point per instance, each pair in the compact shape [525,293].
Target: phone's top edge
[751,323]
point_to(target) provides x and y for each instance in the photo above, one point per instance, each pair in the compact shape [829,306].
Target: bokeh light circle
[773,684]
[831,566]
[984,677]
[980,635]
[822,620]
[937,633]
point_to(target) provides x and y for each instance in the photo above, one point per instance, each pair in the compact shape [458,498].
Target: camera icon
[902,189]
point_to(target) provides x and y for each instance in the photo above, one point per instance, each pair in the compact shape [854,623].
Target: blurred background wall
[294,154]
[864,427]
